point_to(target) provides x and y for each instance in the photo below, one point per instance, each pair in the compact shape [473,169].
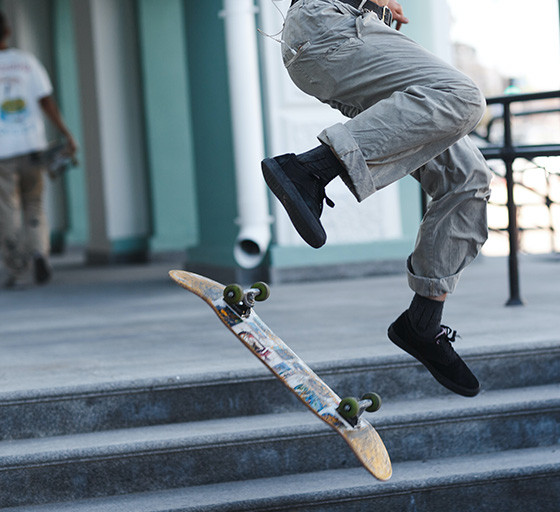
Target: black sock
[322,161]
[425,316]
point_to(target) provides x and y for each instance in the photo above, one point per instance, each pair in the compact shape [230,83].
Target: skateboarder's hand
[398,14]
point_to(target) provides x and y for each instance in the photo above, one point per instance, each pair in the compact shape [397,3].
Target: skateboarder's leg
[450,237]
[406,105]
[406,108]
[455,225]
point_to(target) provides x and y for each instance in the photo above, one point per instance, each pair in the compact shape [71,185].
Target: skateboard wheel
[264,290]
[348,407]
[233,293]
[376,401]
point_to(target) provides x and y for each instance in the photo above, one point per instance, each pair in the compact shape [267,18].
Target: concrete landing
[102,325]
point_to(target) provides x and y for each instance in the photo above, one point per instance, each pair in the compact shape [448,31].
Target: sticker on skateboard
[234,307]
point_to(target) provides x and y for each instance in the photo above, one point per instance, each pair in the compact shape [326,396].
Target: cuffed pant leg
[455,225]
[410,112]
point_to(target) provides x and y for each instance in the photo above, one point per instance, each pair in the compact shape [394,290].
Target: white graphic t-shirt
[23,82]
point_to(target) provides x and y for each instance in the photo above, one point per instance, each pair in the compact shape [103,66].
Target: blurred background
[175,102]
[508,52]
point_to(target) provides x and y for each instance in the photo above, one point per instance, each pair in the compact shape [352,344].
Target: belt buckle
[387,16]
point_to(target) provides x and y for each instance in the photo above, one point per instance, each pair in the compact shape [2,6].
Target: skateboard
[234,307]
[56,158]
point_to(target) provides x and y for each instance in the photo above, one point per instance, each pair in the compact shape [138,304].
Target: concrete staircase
[240,442]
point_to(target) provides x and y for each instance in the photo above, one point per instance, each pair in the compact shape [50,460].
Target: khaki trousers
[23,223]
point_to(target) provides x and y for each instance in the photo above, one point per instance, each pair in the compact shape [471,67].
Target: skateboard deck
[56,158]
[289,369]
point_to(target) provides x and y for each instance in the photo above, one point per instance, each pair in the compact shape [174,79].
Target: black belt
[384,13]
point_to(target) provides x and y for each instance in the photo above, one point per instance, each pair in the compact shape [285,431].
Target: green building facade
[151,90]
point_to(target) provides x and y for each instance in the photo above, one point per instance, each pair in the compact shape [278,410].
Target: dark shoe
[42,269]
[437,355]
[301,192]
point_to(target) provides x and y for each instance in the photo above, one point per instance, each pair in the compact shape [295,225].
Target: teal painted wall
[169,137]
[211,134]
[67,94]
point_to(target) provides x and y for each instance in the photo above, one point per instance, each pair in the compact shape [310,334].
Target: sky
[520,38]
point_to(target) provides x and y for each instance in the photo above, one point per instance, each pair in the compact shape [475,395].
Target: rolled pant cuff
[358,178]
[431,286]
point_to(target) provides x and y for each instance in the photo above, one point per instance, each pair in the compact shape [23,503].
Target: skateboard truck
[243,300]
[352,409]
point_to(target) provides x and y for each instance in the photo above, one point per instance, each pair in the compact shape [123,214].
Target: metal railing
[507,151]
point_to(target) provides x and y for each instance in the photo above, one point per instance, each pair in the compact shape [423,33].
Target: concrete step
[80,466]
[133,404]
[510,481]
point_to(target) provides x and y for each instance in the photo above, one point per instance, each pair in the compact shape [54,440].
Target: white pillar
[247,126]
[113,130]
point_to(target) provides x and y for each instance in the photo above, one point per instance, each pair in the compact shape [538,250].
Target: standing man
[25,94]
[409,113]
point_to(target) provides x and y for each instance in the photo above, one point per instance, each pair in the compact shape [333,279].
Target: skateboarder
[25,93]
[409,113]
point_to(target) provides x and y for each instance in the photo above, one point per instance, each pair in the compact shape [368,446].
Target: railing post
[507,152]
[513,231]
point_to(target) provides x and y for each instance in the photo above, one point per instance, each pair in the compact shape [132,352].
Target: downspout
[248,138]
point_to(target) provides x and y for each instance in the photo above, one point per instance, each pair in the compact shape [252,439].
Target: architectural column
[66,86]
[169,130]
[118,201]
[213,144]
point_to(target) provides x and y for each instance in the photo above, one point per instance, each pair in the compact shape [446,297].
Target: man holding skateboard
[25,93]
[410,113]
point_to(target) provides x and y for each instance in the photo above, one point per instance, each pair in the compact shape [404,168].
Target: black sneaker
[437,355]
[42,269]
[301,192]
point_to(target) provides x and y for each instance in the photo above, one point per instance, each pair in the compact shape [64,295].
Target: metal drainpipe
[248,137]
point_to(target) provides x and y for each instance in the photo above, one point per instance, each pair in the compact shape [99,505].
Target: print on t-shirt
[13,108]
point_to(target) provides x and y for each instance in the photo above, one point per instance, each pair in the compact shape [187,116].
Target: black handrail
[508,152]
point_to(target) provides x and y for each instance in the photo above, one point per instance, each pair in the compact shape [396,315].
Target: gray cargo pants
[410,112]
